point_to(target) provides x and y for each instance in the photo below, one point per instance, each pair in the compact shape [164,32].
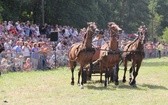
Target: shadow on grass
[96,85]
[142,87]
[154,64]
[154,86]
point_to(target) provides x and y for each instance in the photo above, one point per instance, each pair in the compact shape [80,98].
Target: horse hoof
[132,83]
[89,79]
[82,87]
[123,80]
[84,81]
[72,83]
[116,83]
[105,84]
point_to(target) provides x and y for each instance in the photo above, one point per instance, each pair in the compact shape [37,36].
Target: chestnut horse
[134,52]
[82,53]
[110,54]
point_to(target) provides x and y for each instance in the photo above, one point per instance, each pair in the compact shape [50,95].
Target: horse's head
[142,32]
[92,28]
[113,28]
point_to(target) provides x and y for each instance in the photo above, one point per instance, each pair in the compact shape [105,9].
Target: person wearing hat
[98,40]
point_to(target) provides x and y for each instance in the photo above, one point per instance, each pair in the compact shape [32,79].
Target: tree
[165,35]
[162,10]
[1,10]
[135,12]
[154,25]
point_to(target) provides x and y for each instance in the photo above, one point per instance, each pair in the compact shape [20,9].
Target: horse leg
[130,74]
[125,69]
[112,75]
[72,66]
[101,74]
[82,76]
[132,71]
[135,73]
[79,73]
[116,74]
[106,78]
[90,71]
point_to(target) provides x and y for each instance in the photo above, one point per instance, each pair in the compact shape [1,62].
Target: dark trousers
[159,53]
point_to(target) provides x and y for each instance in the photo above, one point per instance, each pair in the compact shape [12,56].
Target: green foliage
[162,10]
[165,34]
[1,10]
[129,14]
[154,25]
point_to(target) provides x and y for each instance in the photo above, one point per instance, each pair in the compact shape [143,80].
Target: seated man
[98,41]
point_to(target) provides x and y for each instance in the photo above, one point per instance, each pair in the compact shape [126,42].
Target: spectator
[160,48]
[17,49]
[43,50]
[26,50]
[28,65]
[98,41]
[35,56]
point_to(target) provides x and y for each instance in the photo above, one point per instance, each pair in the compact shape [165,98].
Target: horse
[109,54]
[82,53]
[134,52]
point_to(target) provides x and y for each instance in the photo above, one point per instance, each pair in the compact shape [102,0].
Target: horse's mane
[132,42]
[84,38]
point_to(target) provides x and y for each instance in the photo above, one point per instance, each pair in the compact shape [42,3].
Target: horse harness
[83,49]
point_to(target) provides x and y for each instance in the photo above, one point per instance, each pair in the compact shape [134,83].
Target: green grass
[53,88]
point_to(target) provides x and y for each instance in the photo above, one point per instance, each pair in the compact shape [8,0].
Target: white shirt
[25,51]
[98,42]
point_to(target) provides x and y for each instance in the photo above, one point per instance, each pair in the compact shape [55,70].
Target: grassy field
[53,88]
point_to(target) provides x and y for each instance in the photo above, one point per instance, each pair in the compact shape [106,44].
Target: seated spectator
[28,65]
[98,41]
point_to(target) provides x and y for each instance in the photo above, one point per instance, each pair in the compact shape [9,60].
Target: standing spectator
[9,25]
[43,50]
[17,50]
[26,50]
[13,31]
[35,56]
[27,30]
[7,44]
[37,30]
[160,48]
[43,29]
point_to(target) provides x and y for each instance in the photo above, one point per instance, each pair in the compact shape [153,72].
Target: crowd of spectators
[26,46]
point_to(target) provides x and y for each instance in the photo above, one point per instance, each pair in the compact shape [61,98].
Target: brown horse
[134,52]
[82,53]
[109,54]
